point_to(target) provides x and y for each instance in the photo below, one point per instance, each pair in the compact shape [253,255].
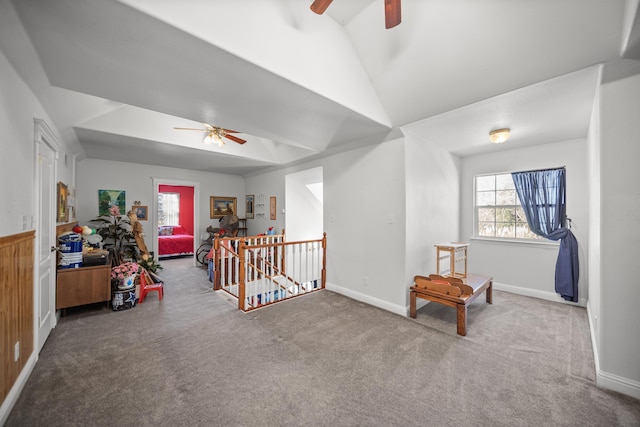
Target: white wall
[268,184]
[433,192]
[520,267]
[364,190]
[18,108]
[620,232]
[136,180]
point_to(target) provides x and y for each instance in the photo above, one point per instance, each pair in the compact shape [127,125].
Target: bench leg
[490,293]
[462,319]
[412,304]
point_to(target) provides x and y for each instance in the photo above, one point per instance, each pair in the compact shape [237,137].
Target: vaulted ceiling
[118,76]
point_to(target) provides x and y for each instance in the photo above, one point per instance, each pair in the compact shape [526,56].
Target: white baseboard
[605,379]
[15,391]
[617,383]
[545,295]
[368,299]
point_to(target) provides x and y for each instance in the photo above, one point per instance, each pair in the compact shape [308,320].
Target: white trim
[546,244]
[605,379]
[368,299]
[42,134]
[14,393]
[535,293]
[617,383]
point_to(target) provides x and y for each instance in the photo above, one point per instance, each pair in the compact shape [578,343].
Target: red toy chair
[147,285]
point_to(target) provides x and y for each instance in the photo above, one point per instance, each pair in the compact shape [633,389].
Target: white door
[45,236]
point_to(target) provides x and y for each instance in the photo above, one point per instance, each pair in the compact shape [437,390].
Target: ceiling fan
[216,134]
[392,16]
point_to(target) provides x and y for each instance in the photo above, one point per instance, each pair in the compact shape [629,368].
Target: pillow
[178,229]
[165,231]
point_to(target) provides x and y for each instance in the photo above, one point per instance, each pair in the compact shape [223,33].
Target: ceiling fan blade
[201,130]
[392,15]
[235,139]
[230,131]
[319,6]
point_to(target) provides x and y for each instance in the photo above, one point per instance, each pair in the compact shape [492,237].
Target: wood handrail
[243,264]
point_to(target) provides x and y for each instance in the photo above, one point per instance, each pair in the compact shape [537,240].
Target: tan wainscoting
[16,305]
[64,228]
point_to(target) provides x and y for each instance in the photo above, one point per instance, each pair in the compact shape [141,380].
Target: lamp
[498,136]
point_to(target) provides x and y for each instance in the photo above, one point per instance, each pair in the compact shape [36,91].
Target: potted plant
[115,230]
[150,265]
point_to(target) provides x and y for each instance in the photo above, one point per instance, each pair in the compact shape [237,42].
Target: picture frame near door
[220,206]
[62,214]
[142,212]
[249,208]
[272,207]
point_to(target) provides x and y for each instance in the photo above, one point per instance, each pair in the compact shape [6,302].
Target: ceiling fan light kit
[498,136]
[215,134]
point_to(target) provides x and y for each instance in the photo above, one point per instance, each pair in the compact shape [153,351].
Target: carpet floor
[318,360]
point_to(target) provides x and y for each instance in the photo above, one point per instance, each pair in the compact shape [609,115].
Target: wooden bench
[452,292]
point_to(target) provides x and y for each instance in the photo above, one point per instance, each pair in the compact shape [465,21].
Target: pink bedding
[173,241]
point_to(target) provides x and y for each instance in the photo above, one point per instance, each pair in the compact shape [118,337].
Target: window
[168,209]
[498,212]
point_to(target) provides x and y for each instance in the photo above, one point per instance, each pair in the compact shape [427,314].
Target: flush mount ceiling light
[498,136]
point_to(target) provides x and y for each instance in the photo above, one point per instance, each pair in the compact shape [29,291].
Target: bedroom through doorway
[176,220]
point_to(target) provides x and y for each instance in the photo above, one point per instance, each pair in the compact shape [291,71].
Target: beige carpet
[321,359]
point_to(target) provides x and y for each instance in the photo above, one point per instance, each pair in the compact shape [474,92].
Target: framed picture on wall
[111,202]
[249,208]
[272,207]
[142,212]
[61,207]
[220,206]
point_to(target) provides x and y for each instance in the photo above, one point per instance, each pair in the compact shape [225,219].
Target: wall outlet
[16,352]
[365,280]
[389,219]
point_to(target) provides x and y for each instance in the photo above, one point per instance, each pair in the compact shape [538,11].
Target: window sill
[517,242]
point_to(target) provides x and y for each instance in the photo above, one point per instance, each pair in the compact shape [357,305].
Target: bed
[173,240]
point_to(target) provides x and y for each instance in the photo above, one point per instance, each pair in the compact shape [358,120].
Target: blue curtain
[542,195]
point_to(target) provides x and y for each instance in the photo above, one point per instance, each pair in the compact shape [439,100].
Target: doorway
[46,149]
[186,213]
[304,218]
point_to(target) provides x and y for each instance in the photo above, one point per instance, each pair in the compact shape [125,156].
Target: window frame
[160,217]
[537,240]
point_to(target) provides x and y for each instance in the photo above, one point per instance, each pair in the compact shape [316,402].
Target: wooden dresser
[84,285]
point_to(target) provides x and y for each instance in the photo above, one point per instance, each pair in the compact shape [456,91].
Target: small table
[456,253]
[456,293]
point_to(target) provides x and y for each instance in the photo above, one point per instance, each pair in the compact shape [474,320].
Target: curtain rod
[545,169]
[519,171]
[539,170]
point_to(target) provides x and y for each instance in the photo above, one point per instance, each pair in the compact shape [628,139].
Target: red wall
[186,204]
